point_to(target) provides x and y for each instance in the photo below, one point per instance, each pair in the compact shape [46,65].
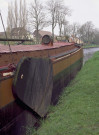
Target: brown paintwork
[59,65]
[6,95]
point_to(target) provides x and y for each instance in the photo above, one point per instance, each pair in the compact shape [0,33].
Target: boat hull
[15,116]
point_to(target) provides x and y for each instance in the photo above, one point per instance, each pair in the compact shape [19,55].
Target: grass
[77,112]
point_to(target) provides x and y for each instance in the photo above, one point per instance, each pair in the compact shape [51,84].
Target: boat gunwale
[67,55]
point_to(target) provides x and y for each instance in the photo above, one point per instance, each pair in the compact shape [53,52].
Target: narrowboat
[31,78]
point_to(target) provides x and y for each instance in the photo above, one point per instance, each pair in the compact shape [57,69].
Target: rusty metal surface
[21,48]
[19,51]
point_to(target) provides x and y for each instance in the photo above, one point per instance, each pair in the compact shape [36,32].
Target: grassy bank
[77,112]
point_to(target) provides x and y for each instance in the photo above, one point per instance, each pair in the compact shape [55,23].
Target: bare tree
[67,30]
[17,18]
[96,37]
[23,19]
[87,32]
[53,7]
[20,14]
[61,17]
[36,17]
[75,29]
[10,19]
[15,14]
[82,32]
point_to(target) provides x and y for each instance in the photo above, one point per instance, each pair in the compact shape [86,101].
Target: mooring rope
[7,38]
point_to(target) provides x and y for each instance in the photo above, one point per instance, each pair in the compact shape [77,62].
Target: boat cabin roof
[25,48]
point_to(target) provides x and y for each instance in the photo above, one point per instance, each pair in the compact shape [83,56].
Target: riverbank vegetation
[90,46]
[77,112]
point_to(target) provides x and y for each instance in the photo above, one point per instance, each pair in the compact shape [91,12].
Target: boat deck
[26,48]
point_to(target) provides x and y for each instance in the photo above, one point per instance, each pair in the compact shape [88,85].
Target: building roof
[42,33]
[20,31]
[2,34]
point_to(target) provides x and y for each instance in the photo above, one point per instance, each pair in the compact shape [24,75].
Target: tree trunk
[53,33]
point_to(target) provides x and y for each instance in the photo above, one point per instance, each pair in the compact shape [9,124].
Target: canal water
[88,53]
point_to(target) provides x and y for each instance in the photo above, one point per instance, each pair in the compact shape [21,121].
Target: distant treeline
[38,15]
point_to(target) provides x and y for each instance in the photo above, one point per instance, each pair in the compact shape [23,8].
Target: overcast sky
[82,11]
